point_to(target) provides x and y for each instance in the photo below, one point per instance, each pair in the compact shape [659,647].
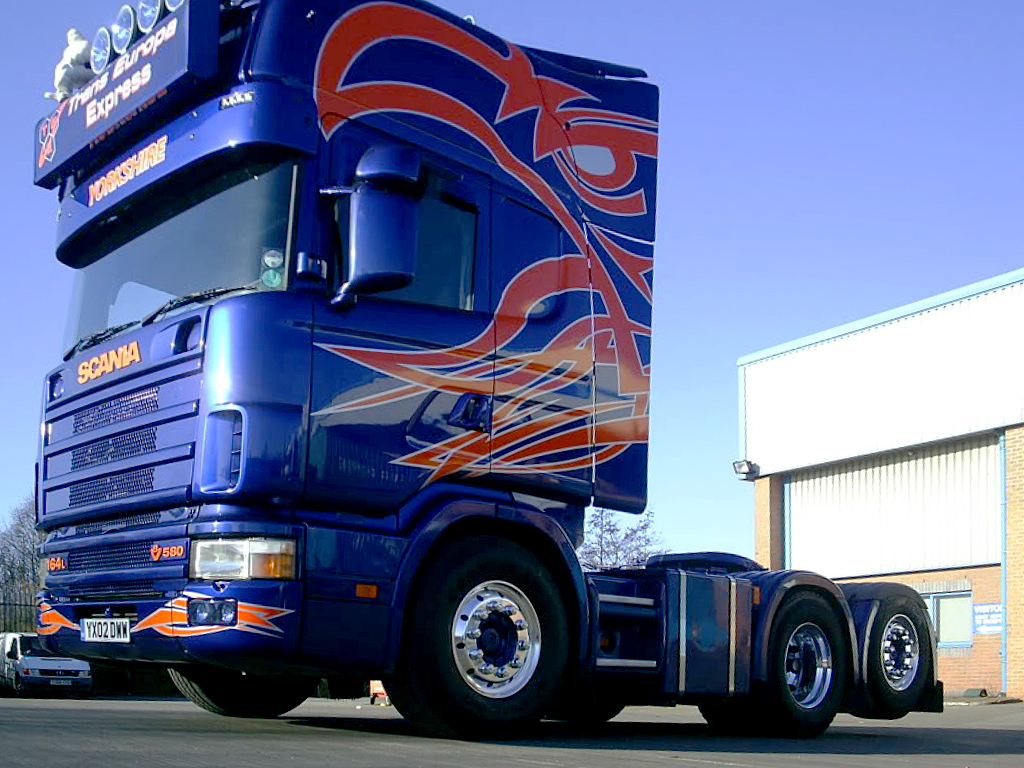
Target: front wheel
[485,642]
[231,693]
[807,667]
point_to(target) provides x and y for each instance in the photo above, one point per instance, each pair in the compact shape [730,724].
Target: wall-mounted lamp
[747,470]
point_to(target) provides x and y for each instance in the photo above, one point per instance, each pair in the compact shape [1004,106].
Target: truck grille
[122,556]
[124,590]
[119,409]
[114,487]
[114,449]
[123,523]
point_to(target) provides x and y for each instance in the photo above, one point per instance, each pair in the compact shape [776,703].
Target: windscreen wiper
[92,340]
[191,298]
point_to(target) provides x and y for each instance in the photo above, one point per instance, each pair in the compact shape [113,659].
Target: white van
[25,667]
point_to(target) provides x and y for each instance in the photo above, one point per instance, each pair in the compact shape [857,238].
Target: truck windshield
[185,237]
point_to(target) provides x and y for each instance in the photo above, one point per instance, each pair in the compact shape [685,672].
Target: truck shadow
[699,738]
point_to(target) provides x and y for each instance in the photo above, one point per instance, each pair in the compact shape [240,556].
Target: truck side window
[446,251]
[523,236]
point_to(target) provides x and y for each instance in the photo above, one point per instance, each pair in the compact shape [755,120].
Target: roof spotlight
[173,5]
[147,12]
[122,32]
[99,57]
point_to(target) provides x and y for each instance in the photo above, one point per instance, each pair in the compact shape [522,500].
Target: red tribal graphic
[171,619]
[48,135]
[52,621]
[569,126]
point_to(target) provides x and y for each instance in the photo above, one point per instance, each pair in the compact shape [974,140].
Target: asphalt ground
[53,733]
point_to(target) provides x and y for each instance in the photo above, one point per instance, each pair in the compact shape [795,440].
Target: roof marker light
[122,32]
[99,57]
[147,12]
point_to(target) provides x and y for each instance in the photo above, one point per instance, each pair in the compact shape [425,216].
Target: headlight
[146,13]
[173,5]
[122,32]
[228,559]
[99,57]
[83,673]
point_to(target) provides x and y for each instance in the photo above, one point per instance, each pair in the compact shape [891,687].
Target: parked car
[26,667]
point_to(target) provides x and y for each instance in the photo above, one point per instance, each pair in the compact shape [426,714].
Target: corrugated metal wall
[933,507]
[932,375]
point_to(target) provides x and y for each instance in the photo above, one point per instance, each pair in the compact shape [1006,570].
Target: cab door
[543,406]
[403,380]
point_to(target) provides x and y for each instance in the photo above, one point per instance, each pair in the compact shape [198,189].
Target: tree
[19,569]
[608,543]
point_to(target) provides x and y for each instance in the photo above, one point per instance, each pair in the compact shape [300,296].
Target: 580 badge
[159,552]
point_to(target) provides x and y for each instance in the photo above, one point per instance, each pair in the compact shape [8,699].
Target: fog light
[205,613]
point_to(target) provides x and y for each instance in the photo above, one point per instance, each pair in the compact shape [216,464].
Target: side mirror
[383,222]
[12,654]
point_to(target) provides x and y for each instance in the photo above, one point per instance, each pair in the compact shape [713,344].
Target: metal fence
[17,609]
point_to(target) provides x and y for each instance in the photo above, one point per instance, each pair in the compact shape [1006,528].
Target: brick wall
[1015,560]
[979,666]
[769,522]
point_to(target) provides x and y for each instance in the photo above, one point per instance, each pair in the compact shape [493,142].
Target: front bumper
[56,684]
[266,632]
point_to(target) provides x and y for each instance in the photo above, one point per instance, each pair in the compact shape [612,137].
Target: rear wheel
[899,658]
[230,693]
[807,667]
[485,642]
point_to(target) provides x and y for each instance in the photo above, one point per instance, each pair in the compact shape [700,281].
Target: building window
[952,616]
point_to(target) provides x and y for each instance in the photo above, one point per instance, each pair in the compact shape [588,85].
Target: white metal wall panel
[934,375]
[934,507]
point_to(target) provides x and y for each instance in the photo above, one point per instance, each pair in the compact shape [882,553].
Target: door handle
[472,412]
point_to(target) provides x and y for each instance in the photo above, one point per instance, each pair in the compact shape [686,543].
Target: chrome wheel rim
[900,653]
[496,639]
[809,665]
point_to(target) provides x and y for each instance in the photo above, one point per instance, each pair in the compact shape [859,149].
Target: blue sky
[819,162]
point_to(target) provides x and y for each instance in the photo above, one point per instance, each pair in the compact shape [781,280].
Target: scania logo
[109,362]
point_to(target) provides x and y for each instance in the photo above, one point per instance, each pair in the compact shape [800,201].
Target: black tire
[897,674]
[487,595]
[808,663]
[230,693]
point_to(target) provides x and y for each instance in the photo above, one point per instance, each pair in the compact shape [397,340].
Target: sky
[819,162]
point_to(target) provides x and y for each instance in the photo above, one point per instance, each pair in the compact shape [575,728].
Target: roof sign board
[160,67]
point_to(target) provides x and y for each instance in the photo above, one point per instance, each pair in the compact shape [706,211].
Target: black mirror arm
[344,298]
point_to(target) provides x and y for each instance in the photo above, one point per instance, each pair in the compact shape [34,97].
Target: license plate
[106,630]
[60,682]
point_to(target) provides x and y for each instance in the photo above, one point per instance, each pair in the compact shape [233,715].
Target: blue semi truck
[360,327]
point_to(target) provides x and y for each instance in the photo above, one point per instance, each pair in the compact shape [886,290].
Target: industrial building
[892,448]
